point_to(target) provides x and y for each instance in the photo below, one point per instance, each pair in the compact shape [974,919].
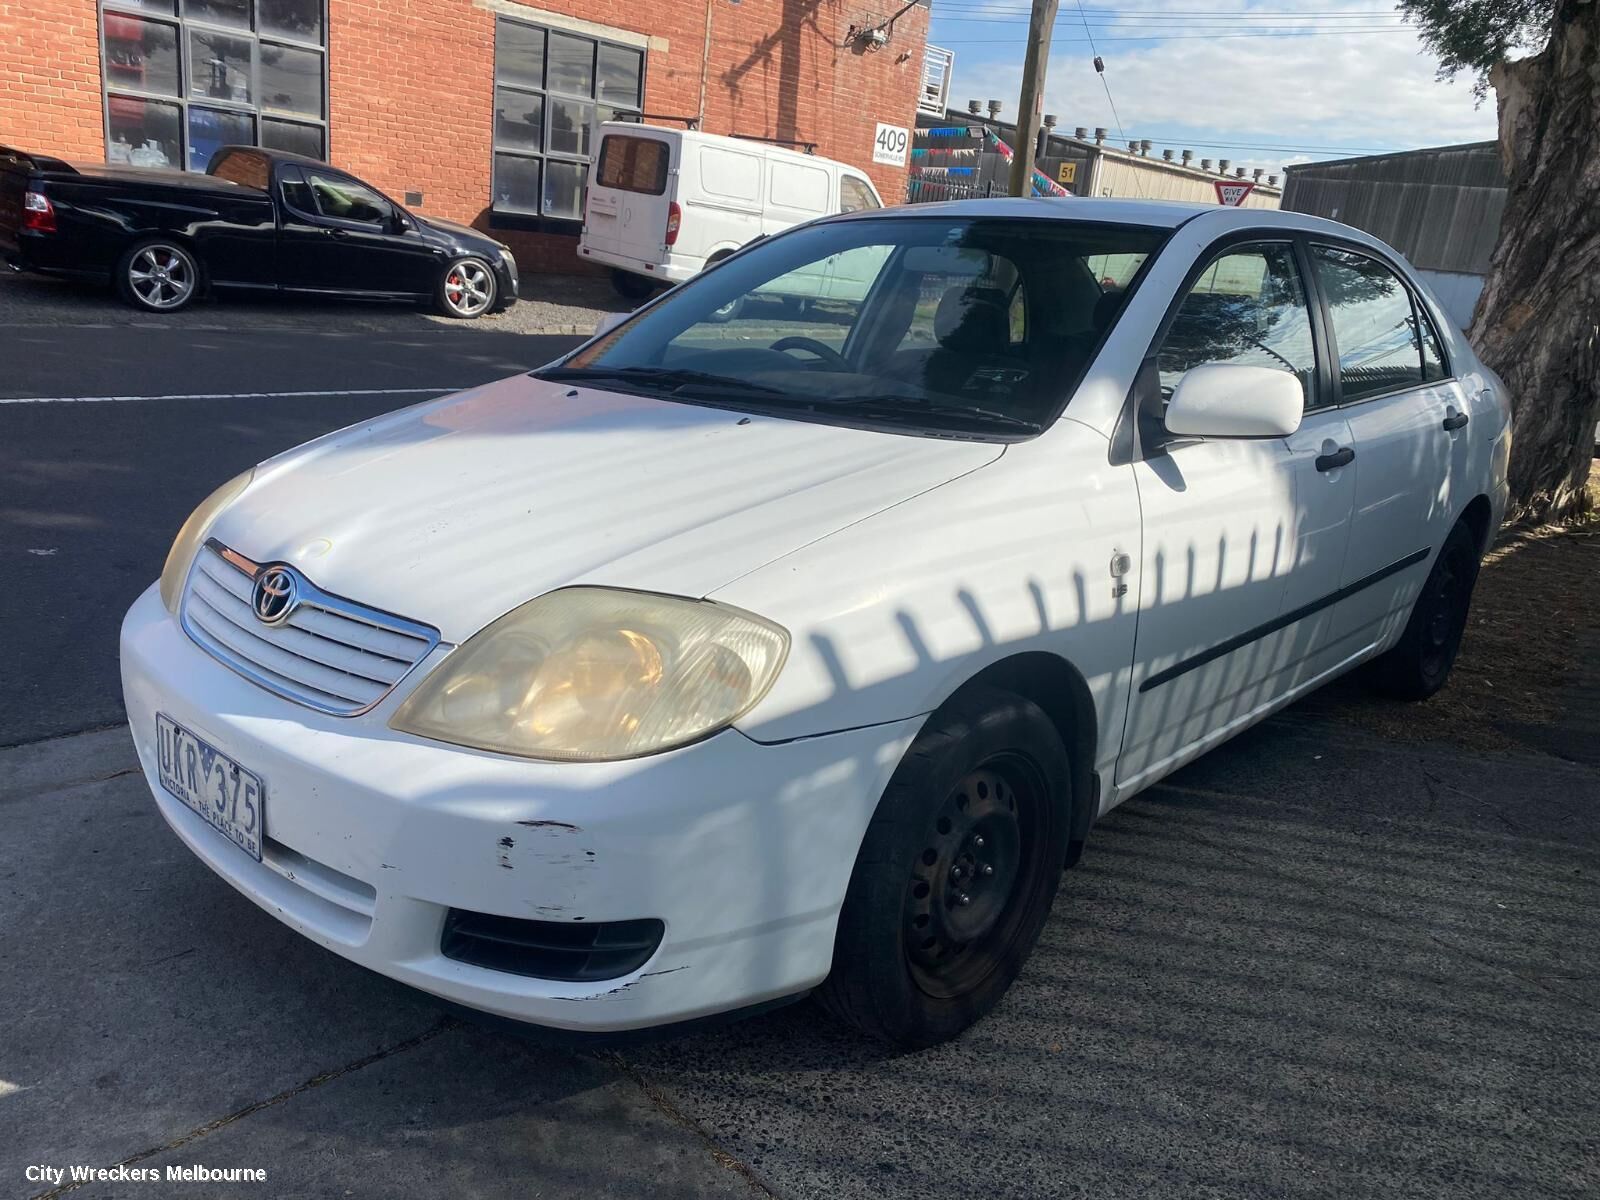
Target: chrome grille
[330,654]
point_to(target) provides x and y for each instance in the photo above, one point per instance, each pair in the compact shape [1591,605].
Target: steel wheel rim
[1446,615]
[983,844]
[162,276]
[468,288]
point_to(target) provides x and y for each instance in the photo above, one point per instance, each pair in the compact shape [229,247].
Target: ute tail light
[674,219]
[38,214]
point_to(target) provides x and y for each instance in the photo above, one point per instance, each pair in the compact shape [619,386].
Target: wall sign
[889,145]
[1067,173]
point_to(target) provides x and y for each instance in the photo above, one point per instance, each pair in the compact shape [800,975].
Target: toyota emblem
[276,592]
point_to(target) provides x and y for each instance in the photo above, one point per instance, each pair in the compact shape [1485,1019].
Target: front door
[1243,537]
[339,235]
[1405,422]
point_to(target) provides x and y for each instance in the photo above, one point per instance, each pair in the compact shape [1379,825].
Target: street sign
[1232,191]
[1068,173]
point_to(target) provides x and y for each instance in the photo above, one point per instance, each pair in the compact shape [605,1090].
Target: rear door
[719,191]
[796,191]
[338,234]
[626,209]
[1405,420]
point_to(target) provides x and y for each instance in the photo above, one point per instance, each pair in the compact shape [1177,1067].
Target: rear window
[242,167]
[634,164]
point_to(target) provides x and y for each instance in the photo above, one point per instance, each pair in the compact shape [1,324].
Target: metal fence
[924,189]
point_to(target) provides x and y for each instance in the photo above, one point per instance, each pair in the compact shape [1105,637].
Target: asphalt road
[91,493]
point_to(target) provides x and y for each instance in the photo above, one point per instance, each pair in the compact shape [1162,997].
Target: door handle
[1455,420]
[1342,457]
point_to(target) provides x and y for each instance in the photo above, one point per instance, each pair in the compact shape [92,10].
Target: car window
[295,190]
[1433,364]
[950,325]
[243,167]
[1248,307]
[855,195]
[1374,328]
[633,164]
[346,200]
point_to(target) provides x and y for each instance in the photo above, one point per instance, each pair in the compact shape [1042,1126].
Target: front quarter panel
[891,615]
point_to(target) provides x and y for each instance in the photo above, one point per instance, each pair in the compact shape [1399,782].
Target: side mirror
[608,322]
[1223,400]
[397,222]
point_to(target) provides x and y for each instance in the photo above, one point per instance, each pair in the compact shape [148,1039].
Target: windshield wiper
[913,405]
[670,378]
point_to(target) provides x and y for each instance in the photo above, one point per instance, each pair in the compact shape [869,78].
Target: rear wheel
[1419,664]
[158,276]
[466,289]
[956,875]
[632,287]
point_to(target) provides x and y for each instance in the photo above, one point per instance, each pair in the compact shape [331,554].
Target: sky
[1264,83]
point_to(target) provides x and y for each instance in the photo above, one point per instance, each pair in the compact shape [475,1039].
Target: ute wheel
[632,287]
[466,289]
[158,275]
[956,874]
[1419,664]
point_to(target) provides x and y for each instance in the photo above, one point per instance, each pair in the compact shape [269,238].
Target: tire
[1418,665]
[467,289]
[159,275]
[632,287]
[986,783]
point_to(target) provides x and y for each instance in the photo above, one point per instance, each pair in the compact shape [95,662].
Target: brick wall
[50,78]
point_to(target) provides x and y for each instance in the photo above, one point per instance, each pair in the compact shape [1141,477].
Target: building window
[184,78]
[551,91]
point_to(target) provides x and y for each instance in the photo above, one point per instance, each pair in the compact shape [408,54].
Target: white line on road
[432,391]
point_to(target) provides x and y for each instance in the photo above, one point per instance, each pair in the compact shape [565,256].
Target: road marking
[431,391]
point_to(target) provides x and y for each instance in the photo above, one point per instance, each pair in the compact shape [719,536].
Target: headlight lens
[593,674]
[187,544]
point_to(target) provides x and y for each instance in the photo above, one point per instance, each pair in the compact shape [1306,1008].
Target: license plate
[208,781]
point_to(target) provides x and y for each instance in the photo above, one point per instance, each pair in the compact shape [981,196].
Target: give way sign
[1232,192]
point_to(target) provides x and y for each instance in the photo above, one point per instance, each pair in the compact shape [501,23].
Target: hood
[455,230]
[455,511]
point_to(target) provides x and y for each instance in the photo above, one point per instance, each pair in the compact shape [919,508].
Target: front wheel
[1419,663]
[158,276]
[956,874]
[466,289]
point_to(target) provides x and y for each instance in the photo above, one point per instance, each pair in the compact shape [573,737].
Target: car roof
[1160,214]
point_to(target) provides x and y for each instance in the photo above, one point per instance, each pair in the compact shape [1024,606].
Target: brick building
[481,111]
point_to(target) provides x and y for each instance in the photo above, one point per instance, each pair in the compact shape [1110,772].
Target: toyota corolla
[725,661]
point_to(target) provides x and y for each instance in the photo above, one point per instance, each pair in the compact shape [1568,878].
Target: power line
[1163,13]
[1180,37]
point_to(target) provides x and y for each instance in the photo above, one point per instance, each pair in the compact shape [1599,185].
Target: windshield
[978,327]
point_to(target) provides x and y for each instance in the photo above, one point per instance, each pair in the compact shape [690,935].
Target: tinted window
[242,167]
[1373,325]
[346,200]
[855,195]
[634,164]
[1248,307]
[951,325]
[296,191]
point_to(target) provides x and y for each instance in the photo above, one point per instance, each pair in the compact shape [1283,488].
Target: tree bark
[1538,320]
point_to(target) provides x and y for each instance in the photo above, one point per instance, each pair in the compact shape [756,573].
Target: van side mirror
[608,322]
[1224,400]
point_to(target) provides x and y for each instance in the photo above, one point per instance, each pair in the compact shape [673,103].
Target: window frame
[543,221]
[182,25]
[1419,311]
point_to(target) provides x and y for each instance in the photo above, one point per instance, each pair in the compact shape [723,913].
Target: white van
[664,203]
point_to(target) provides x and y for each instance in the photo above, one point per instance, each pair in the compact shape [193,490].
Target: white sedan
[721,661]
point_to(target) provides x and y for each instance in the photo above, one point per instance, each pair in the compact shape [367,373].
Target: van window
[634,164]
[855,195]
[730,174]
[800,187]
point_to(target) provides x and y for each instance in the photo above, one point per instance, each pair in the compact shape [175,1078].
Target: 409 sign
[889,145]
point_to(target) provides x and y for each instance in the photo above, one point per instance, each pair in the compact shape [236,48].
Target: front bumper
[743,850]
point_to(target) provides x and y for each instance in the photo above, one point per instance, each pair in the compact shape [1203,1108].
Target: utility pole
[1031,105]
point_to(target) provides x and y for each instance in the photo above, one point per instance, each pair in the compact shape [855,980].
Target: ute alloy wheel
[467,289]
[158,276]
[956,873]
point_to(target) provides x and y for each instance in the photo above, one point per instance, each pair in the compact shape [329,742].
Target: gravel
[563,304]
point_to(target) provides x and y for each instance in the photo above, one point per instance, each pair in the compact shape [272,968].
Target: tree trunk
[1538,320]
